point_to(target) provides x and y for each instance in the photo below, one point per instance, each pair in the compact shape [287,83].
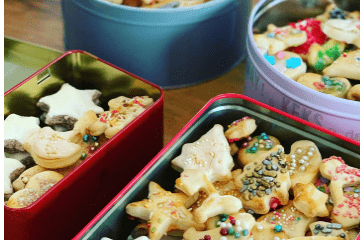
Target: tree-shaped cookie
[346,207]
[163,210]
[210,154]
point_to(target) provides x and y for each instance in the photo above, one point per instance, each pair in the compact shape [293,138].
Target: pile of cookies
[39,153]
[322,53]
[164,4]
[234,185]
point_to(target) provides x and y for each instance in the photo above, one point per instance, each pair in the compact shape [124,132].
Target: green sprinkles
[153,229]
[245,232]
[237,235]
[159,220]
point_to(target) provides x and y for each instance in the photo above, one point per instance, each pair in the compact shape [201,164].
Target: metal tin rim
[296,87]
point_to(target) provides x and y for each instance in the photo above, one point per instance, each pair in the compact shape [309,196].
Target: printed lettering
[305,114]
[294,112]
[350,134]
[317,119]
[284,104]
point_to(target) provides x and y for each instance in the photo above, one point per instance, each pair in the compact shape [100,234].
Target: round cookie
[288,63]
[335,86]
[240,129]
[253,147]
[354,93]
[343,30]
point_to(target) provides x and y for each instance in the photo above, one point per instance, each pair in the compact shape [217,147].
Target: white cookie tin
[264,83]
[113,221]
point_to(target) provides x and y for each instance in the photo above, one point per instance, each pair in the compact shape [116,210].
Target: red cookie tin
[113,221]
[69,205]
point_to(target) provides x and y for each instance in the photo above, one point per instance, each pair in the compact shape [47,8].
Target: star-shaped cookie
[17,129]
[68,104]
[310,201]
[210,154]
[163,210]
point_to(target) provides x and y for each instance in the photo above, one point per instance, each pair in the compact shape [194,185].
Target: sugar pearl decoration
[229,225]
[238,229]
[260,227]
[298,150]
[222,224]
[238,222]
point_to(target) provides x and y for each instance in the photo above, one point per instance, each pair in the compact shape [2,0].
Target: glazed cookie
[163,210]
[236,226]
[320,57]
[51,149]
[293,222]
[240,129]
[354,93]
[192,181]
[347,66]
[304,162]
[17,129]
[343,30]
[12,169]
[68,105]
[288,63]
[336,86]
[244,220]
[265,231]
[265,182]
[210,154]
[310,201]
[277,39]
[253,147]
[36,187]
[346,209]
[322,228]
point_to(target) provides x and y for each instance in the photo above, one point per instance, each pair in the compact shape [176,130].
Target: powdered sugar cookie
[343,30]
[310,201]
[17,129]
[277,39]
[322,228]
[52,149]
[36,187]
[346,208]
[288,63]
[235,226]
[265,182]
[68,105]
[354,93]
[240,129]
[335,86]
[210,154]
[163,209]
[323,56]
[347,66]
[293,222]
[253,147]
[304,162]
[265,231]
[12,169]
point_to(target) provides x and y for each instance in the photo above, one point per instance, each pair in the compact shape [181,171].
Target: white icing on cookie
[12,168]
[343,30]
[20,128]
[71,102]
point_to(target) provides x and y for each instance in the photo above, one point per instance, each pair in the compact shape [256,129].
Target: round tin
[264,83]
[169,47]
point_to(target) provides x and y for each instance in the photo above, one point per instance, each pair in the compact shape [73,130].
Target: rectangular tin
[68,206]
[113,221]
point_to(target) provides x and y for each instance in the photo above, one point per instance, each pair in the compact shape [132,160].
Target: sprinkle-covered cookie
[327,229]
[210,154]
[17,129]
[252,147]
[265,231]
[347,66]
[265,183]
[240,129]
[68,105]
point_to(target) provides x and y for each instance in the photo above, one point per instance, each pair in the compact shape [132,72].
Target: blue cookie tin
[172,48]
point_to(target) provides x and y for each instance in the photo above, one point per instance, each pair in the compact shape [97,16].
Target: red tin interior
[68,206]
[183,130]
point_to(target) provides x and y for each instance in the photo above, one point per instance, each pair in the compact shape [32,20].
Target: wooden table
[40,22]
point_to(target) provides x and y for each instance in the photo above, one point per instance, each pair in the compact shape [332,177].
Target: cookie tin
[68,206]
[113,221]
[174,47]
[264,83]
